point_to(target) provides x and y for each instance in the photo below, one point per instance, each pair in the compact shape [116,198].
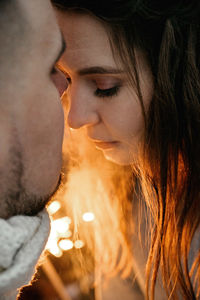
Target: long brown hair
[169,167]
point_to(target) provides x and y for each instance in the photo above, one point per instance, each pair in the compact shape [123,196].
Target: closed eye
[107,92]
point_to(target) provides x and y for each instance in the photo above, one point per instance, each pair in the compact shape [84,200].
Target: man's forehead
[41,20]
[39,14]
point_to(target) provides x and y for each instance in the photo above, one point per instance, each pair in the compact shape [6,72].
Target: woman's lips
[105,145]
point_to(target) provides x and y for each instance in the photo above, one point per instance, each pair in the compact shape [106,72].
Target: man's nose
[60,81]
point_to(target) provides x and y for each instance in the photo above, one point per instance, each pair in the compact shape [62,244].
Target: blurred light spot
[66,244]
[55,250]
[53,207]
[88,217]
[67,234]
[53,234]
[60,225]
[78,244]
[52,241]
[68,220]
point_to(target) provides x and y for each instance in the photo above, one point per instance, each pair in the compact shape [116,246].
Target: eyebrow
[98,70]
[62,49]
[92,70]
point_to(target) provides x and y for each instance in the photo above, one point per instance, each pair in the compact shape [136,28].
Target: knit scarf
[22,240]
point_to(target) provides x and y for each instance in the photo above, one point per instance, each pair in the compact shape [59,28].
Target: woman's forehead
[87,41]
[82,30]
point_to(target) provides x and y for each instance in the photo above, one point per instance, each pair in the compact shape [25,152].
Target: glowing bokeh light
[78,244]
[66,244]
[53,207]
[54,249]
[88,217]
[59,230]
[60,225]
[67,234]
[68,220]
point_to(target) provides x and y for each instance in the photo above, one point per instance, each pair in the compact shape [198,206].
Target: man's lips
[105,145]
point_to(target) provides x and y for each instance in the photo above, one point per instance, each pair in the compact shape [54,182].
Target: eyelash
[102,93]
[108,92]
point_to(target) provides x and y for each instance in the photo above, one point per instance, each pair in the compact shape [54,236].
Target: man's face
[31,117]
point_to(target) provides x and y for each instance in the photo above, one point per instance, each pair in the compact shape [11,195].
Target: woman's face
[100,97]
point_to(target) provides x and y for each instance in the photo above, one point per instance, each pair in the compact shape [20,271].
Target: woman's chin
[119,159]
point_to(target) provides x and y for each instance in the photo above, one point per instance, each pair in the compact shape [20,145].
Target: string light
[68,220]
[61,225]
[88,217]
[59,229]
[78,244]
[66,244]
[53,248]
[53,207]
[60,233]
[67,234]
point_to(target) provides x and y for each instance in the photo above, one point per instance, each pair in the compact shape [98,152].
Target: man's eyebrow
[98,70]
[62,49]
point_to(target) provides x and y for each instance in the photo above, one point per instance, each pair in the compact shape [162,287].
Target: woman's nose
[82,111]
[60,81]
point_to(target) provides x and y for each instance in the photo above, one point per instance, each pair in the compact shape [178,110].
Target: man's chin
[56,190]
[28,204]
[51,196]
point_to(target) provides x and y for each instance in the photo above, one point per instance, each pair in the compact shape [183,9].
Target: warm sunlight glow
[92,196]
[88,217]
[66,244]
[53,207]
[79,244]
